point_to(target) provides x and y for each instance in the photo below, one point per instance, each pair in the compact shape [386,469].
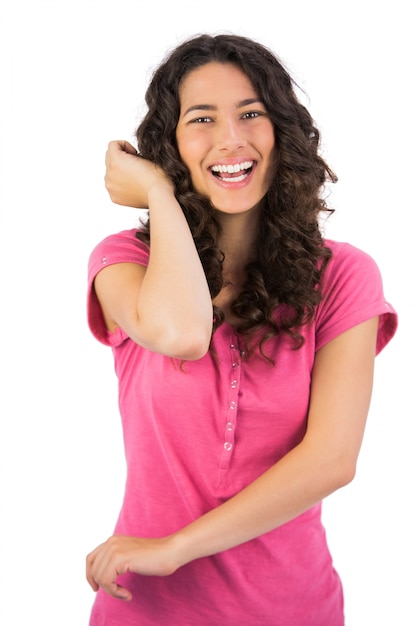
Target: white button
[104,260]
[232,405]
[232,346]
[228,445]
[233,384]
[229,426]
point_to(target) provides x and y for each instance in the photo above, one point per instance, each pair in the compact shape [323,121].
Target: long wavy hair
[290,253]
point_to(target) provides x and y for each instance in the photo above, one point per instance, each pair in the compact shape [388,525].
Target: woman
[244,345]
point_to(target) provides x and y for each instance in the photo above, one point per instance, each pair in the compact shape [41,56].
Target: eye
[201,120]
[252,114]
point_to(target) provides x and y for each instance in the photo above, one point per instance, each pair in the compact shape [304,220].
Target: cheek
[268,139]
[270,150]
[181,146]
[189,154]
[192,151]
[192,146]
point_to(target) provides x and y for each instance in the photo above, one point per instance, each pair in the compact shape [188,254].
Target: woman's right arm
[165,307]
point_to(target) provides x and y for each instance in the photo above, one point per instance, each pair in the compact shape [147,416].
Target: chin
[236,209]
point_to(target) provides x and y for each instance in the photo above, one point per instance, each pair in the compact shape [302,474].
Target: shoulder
[122,247]
[343,253]
[122,244]
[350,266]
[352,292]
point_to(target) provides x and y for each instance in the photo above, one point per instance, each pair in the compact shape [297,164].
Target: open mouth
[232,173]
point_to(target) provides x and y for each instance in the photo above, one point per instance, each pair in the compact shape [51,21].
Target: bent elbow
[173,340]
[186,345]
[345,473]
[190,349]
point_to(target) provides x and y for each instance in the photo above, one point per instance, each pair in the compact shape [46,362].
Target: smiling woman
[244,344]
[234,136]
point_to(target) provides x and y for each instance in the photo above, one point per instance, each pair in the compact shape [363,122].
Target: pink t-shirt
[196,436]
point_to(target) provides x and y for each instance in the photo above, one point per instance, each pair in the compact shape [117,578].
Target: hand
[130,177]
[121,554]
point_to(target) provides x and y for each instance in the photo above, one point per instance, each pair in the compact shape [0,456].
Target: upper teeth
[231,169]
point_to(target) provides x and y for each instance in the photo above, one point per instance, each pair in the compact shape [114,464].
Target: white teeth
[237,179]
[232,169]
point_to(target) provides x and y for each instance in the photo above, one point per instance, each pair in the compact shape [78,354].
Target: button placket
[230,425]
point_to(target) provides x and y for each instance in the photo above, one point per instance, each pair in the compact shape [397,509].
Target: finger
[115,148]
[92,565]
[88,571]
[117,591]
[99,573]
[112,588]
[127,147]
[121,145]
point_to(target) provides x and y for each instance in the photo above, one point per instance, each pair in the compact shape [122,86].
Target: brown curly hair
[290,254]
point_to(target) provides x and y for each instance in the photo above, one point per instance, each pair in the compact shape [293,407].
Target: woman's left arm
[324,461]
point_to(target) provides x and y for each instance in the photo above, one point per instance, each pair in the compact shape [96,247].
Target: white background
[73,75]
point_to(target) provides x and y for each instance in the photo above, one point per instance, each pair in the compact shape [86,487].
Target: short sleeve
[353,293]
[123,247]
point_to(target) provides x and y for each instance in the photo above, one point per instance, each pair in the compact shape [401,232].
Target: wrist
[161,190]
[180,550]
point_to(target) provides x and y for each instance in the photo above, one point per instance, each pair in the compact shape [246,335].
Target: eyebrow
[212,107]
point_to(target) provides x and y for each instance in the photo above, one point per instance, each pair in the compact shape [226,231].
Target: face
[225,137]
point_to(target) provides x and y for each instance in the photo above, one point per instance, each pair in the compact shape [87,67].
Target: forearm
[174,298]
[341,387]
[297,482]
[324,461]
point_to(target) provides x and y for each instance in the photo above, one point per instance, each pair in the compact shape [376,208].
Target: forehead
[216,79]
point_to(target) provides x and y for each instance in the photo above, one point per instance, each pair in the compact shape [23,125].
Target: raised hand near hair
[129,177]
[165,307]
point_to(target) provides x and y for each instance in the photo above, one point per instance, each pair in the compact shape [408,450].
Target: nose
[230,135]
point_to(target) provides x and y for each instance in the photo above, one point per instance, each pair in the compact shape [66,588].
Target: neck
[238,238]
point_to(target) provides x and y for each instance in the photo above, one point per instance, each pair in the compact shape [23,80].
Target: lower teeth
[236,179]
